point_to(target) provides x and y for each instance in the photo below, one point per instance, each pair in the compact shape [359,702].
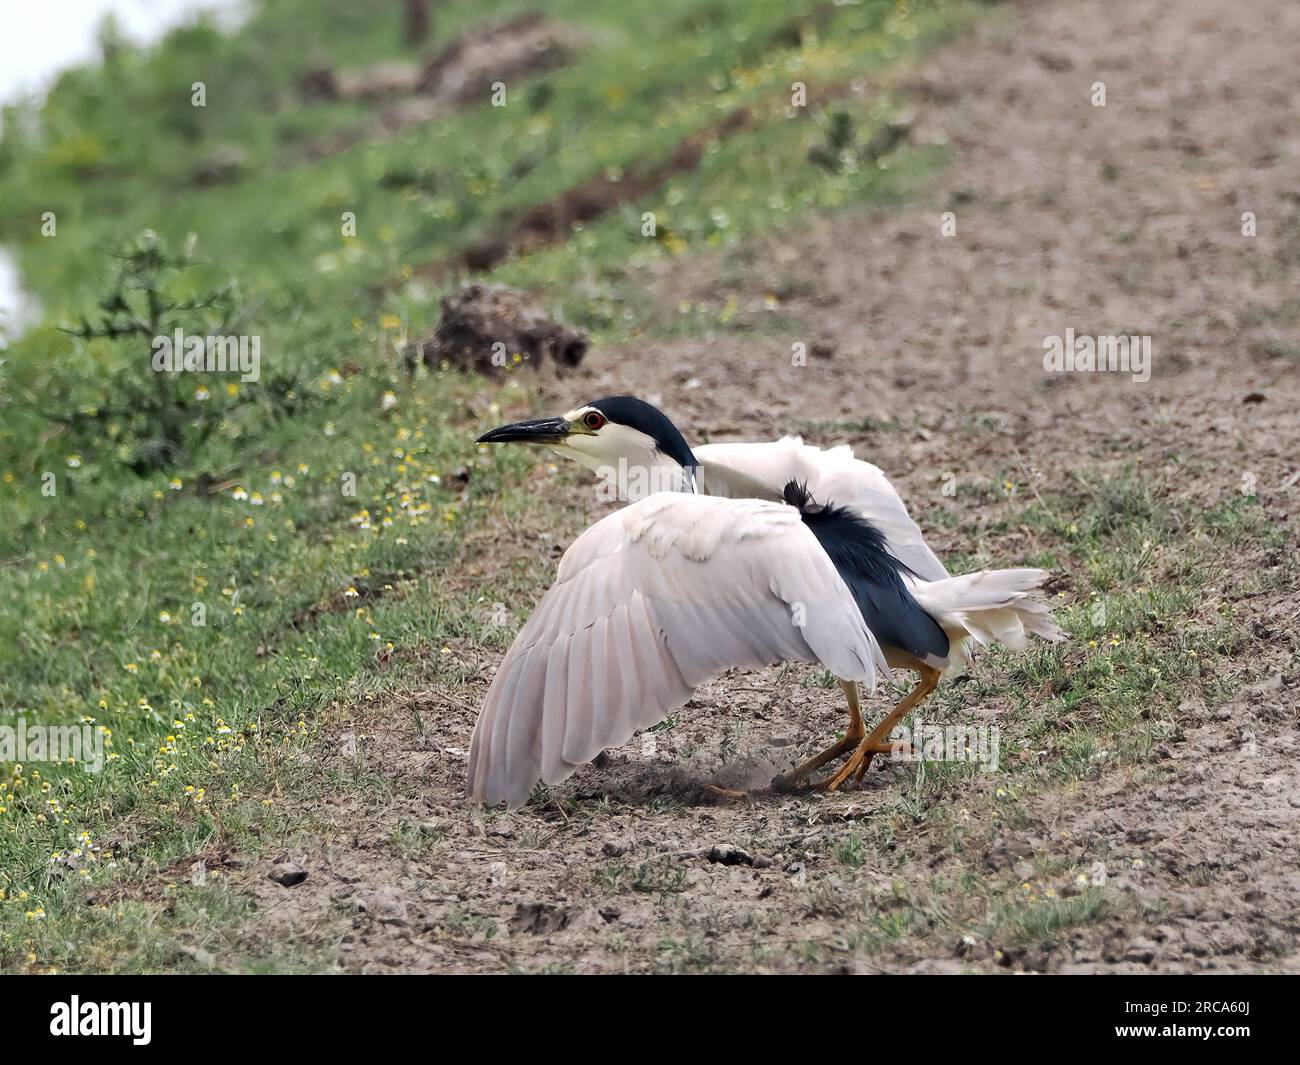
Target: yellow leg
[854,735]
[860,759]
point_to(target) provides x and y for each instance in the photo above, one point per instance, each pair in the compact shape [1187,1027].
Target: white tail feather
[996,605]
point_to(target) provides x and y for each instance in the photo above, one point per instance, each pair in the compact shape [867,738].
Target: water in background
[37,40]
[18,308]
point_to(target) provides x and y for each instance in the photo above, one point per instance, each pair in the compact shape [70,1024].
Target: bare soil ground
[1125,218]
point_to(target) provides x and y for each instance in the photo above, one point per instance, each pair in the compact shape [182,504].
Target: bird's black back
[874,576]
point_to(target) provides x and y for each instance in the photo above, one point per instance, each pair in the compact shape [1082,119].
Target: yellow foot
[797,778]
[858,764]
[726,793]
[882,748]
[855,767]
[860,760]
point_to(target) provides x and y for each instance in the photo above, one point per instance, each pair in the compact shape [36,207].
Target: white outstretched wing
[834,476]
[648,603]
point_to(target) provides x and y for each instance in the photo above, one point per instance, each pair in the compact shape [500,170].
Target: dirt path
[1122,219]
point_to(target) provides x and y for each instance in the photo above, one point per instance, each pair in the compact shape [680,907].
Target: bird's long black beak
[537,431]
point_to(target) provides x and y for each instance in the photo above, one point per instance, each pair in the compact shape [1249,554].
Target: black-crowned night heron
[730,555]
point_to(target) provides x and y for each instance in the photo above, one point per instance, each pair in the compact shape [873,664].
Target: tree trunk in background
[417,22]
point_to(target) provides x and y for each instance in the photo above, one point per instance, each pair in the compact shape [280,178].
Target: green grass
[1041,920]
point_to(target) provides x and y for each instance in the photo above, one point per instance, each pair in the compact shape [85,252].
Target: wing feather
[649,603]
[557,724]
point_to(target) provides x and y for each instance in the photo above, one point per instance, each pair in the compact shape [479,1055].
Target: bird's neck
[630,479]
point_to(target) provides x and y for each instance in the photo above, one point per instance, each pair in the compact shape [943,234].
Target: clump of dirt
[383,81]
[459,76]
[526,45]
[489,328]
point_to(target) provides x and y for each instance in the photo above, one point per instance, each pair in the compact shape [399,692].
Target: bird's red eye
[593,420]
